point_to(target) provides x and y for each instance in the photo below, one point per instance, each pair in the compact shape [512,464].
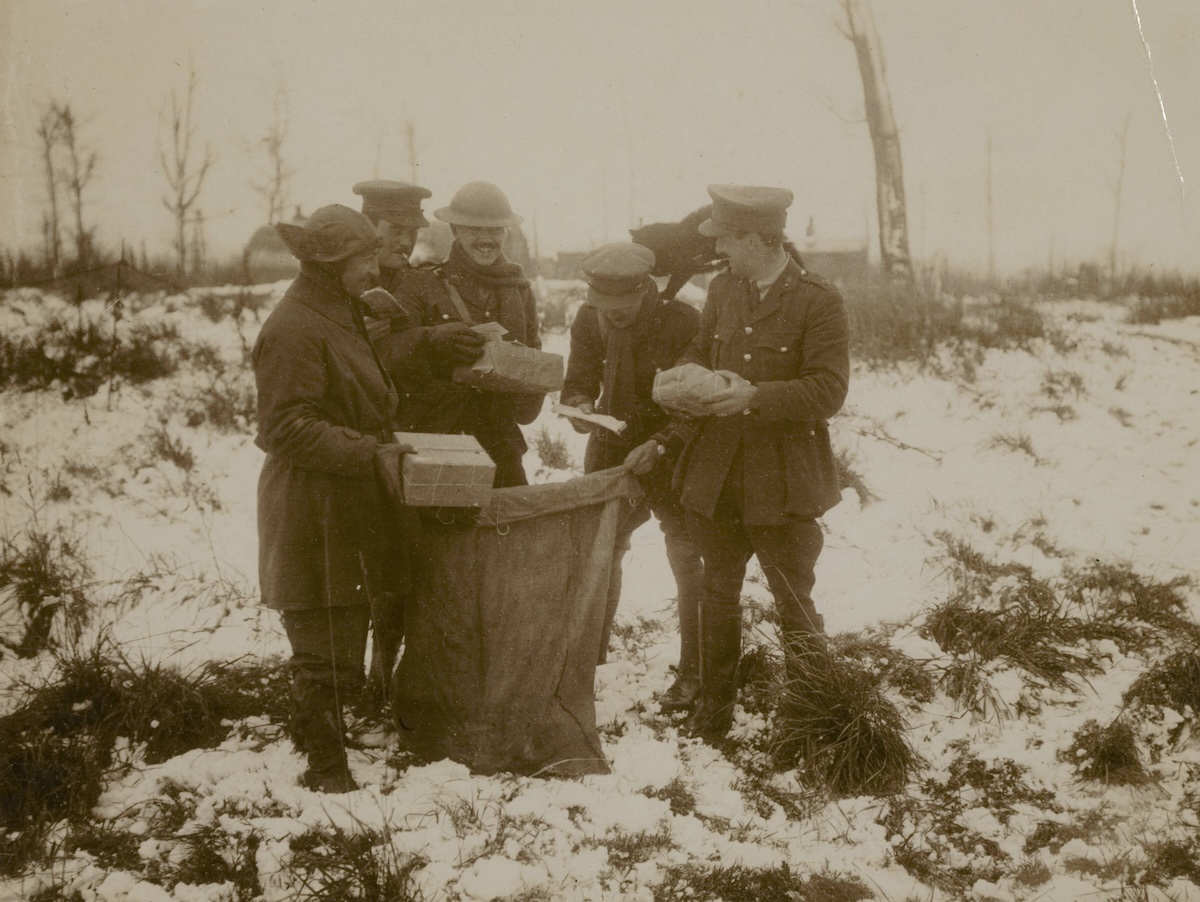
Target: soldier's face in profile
[360,273]
[622,316]
[398,244]
[744,250]
[483,245]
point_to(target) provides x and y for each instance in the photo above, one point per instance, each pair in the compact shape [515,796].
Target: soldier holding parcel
[395,209]
[328,491]
[476,285]
[620,339]
[757,471]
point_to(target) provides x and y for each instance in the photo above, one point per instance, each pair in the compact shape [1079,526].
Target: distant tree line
[69,166]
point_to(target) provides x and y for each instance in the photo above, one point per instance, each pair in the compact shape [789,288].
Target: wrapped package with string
[503,638]
[507,367]
[681,388]
[445,471]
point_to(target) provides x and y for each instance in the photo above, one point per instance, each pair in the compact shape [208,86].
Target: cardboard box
[680,388]
[508,367]
[446,471]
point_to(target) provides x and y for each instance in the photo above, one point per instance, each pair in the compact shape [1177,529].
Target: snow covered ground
[1053,458]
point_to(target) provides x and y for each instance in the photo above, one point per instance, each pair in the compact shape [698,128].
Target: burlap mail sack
[502,641]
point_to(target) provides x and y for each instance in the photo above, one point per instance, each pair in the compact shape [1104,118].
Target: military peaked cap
[746,208]
[617,273]
[397,202]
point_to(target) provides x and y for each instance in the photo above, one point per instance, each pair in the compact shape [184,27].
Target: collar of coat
[319,291]
[771,301]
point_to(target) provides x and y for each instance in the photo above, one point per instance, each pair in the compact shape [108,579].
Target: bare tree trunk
[991,215]
[885,138]
[185,174]
[49,134]
[274,187]
[410,135]
[81,168]
[1122,142]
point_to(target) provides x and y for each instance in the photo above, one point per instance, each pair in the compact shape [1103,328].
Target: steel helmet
[332,233]
[480,205]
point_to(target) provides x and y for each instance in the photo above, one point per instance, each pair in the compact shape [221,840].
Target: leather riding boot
[720,650]
[317,726]
[688,569]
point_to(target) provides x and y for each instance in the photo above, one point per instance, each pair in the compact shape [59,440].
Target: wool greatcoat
[794,345]
[324,405]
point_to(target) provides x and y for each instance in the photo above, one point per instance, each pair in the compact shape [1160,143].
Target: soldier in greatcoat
[757,471]
[621,338]
[326,411]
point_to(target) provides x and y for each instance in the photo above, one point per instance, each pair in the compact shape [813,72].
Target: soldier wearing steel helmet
[478,284]
[757,471]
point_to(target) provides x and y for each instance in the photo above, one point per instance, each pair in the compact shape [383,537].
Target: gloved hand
[455,343]
[642,459]
[581,426]
[387,468]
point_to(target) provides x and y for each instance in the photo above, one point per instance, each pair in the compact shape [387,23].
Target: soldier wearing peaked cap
[757,471]
[395,209]
[477,284]
[620,339]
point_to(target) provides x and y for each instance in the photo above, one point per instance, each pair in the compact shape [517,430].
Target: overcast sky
[594,117]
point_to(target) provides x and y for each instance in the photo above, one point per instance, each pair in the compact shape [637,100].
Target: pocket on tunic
[780,342]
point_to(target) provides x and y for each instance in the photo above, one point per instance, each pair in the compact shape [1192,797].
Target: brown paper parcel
[508,367]
[681,388]
[445,471]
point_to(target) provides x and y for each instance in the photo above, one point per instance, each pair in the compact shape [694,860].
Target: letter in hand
[641,460]
[455,343]
[737,398]
[387,468]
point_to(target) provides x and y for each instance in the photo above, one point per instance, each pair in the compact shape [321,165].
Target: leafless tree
[49,134]
[199,248]
[184,169]
[410,138]
[275,184]
[1117,187]
[76,175]
[859,28]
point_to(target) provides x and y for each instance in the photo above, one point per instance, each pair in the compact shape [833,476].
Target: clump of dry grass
[57,746]
[835,723]
[1134,611]
[1172,683]
[47,574]
[552,450]
[1001,610]
[687,883]
[336,865]
[1107,754]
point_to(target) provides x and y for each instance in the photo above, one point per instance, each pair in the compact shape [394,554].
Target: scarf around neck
[500,274]
[618,395]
